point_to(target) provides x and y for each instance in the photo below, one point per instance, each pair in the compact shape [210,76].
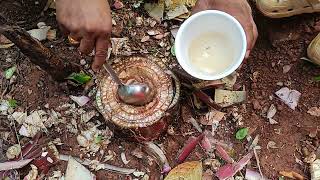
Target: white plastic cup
[206,22]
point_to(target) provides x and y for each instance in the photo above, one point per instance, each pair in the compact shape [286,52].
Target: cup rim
[228,71]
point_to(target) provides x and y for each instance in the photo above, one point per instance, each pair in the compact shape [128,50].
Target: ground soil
[281,42]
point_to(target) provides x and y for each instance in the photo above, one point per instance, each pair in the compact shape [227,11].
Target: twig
[258,162]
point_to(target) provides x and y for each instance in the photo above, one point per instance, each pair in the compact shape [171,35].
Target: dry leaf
[230,81]
[227,98]
[77,171]
[188,170]
[315,170]
[177,11]
[155,10]
[314,111]
[211,117]
[289,97]
[291,174]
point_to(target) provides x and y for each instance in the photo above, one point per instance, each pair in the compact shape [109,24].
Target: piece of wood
[38,54]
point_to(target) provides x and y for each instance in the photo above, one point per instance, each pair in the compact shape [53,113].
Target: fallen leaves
[77,171]
[14,164]
[271,113]
[242,133]
[9,72]
[80,100]
[155,10]
[314,111]
[88,139]
[212,117]
[188,170]
[289,97]
[80,78]
[189,147]
[291,174]
[13,151]
[40,33]
[229,170]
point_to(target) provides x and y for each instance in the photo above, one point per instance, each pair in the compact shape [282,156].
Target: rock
[286,69]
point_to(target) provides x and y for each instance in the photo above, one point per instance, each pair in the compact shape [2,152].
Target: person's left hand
[240,9]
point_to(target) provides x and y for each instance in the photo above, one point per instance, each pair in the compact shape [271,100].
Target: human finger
[87,44]
[101,48]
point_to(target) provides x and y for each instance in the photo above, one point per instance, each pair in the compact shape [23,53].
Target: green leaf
[317,79]
[281,178]
[98,139]
[12,103]
[242,133]
[80,78]
[173,51]
[9,72]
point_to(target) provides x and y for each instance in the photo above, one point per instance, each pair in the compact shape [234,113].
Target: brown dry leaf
[227,98]
[211,117]
[291,174]
[230,81]
[170,4]
[188,170]
[177,12]
[208,84]
[155,10]
[4,42]
[145,38]
[314,111]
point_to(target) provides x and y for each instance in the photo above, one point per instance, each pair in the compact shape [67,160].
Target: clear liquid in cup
[211,53]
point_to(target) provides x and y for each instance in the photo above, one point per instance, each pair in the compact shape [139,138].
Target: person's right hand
[90,23]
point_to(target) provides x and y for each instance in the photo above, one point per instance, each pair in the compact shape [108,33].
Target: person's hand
[88,22]
[240,9]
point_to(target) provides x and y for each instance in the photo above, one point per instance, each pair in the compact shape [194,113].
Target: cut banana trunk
[314,50]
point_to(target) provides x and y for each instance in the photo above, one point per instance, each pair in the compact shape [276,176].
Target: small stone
[83,62]
[286,69]
[145,38]
[280,84]
[36,2]
[256,104]
[273,64]
[46,106]
[152,32]
[29,91]
[8,60]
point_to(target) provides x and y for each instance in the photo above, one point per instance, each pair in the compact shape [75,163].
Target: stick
[37,53]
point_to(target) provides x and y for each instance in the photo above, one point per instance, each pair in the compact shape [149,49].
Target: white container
[206,22]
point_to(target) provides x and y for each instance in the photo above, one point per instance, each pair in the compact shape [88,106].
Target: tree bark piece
[38,54]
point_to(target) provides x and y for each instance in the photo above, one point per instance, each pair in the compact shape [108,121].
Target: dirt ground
[281,42]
